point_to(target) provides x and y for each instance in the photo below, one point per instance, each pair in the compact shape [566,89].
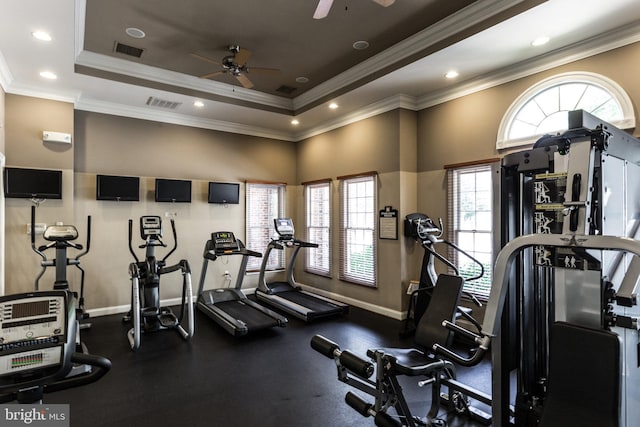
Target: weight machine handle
[381,419]
[481,340]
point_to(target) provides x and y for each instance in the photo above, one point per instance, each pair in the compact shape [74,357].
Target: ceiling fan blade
[259,70]
[242,57]
[323,9]
[216,73]
[244,81]
[385,3]
[204,58]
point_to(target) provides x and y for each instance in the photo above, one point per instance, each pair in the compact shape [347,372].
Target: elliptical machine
[422,228]
[61,239]
[146,313]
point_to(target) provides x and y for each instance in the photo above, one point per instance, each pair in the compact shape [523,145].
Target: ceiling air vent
[128,50]
[162,103]
[287,90]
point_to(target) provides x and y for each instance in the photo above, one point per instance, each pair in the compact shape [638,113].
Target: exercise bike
[41,360]
[422,228]
[146,313]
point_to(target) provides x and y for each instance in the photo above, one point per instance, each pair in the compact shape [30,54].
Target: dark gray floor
[270,378]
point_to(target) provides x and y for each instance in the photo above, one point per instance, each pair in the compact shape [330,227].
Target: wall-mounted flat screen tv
[173,190]
[32,183]
[224,192]
[120,188]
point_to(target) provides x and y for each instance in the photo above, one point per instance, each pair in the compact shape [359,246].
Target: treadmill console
[150,225]
[224,242]
[284,227]
[33,333]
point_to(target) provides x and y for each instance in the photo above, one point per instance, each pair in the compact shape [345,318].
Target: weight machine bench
[431,338]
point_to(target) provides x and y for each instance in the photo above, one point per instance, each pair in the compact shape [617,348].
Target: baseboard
[384,311]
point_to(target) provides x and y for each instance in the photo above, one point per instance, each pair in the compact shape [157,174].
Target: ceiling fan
[236,65]
[325,5]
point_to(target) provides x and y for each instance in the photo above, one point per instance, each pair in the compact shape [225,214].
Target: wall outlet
[171,214]
[40,227]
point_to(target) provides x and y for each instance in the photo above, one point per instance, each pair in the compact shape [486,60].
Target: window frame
[266,225]
[453,202]
[611,87]
[367,278]
[324,249]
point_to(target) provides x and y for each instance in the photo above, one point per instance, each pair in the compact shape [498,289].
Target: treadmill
[230,307]
[288,296]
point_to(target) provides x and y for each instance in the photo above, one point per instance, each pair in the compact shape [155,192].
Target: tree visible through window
[471,221]
[318,216]
[358,253]
[264,203]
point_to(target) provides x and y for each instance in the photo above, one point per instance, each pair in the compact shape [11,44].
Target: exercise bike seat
[443,306]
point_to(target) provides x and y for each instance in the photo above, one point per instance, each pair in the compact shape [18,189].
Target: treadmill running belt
[254,319]
[314,304]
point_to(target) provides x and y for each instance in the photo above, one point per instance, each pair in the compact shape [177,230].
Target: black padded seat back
[443,305]
[584,378]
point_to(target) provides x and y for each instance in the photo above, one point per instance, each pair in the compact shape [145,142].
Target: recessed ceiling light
[361,45]
[540,41]
[333,105]
[302,79]
[198,104]
[295,122]
[42,35]
[134,32]
[48,75]
[452,74]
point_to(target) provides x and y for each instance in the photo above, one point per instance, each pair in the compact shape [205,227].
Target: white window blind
[318,222]
[358,230]
[264,203]
[470,205]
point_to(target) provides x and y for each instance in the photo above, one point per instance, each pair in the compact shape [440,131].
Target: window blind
[358,229]
[318,223]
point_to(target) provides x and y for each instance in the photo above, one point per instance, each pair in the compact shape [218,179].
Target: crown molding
[623,36]
[392,103]
[447,27]
[174,79]
[38,92]
[115,109]
[5,74]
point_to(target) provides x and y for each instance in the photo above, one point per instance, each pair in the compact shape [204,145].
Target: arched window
[543,108]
